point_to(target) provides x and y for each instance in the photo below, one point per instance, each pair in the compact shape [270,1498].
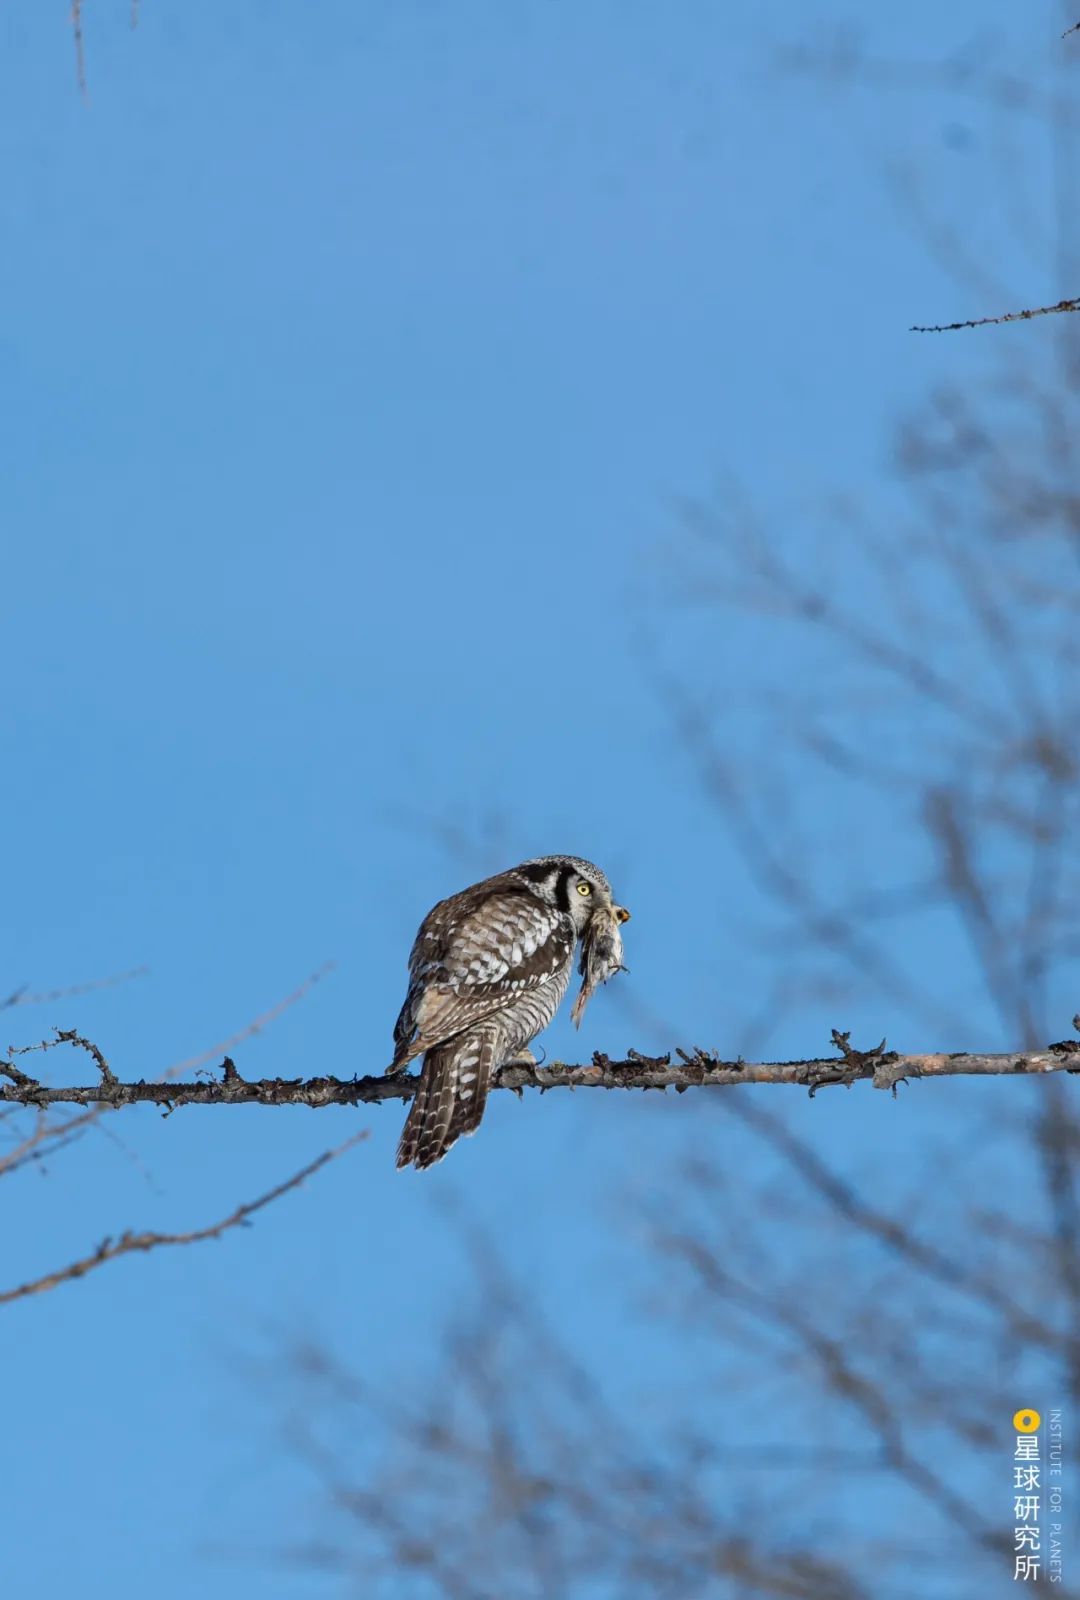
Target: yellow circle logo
[1026,1421]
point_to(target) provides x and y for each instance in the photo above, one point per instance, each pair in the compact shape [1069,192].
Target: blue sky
[354,361]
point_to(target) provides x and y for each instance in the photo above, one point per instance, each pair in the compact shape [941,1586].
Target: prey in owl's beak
[601,954]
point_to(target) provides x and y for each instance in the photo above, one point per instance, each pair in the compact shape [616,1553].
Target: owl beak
[621,914]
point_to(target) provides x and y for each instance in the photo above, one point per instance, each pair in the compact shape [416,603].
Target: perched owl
[487,972]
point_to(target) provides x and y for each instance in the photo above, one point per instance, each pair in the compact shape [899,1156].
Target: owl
[487,973]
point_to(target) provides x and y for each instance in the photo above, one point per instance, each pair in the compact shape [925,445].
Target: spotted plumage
[488,971]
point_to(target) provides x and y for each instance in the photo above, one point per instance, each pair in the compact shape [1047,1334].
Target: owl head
[573,885]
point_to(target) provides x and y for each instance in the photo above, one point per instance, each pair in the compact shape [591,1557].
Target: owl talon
[524,1058]
[524,1061]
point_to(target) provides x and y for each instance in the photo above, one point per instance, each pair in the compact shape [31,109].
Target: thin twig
[1006,316]
[23,997]
[69,1036]
[47,1138]
[222,1048]
[80,56]
[128,1243]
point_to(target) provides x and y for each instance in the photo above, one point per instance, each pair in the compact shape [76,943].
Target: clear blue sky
[352,362]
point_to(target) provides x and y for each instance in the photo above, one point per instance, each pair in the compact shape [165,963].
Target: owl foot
[524,1061]
[524,1058]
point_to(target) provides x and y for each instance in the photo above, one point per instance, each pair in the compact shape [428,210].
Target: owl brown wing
[471,962]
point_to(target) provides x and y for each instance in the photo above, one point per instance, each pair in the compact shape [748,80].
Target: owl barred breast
[487,973]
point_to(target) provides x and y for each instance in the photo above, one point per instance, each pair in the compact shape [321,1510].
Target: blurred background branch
[133,1243]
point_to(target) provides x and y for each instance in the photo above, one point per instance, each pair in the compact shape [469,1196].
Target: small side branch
[129,1243]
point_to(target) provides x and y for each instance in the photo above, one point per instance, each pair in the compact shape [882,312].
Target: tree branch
[80,51]
[1005,316]
[702,1069]
[128,1243]
[22,996]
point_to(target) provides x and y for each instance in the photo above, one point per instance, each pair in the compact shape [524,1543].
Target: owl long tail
[450,1098]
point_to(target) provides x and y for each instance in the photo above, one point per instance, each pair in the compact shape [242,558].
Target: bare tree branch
[80,51]
[128,1243]
[52,1134]
[702,1069]
[48,1136]
[23,996]
[250,1029]
[1006,316]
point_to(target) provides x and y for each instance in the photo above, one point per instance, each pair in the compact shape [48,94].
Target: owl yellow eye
[584,888]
